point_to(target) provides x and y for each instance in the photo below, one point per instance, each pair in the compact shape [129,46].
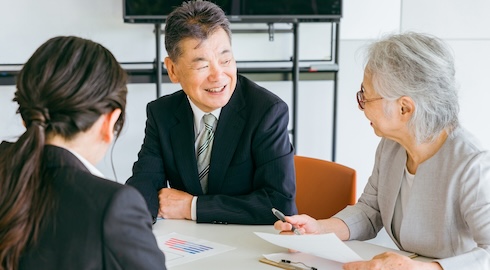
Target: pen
[281,216]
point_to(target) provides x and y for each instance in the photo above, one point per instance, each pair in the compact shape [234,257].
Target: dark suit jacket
[96,223]
[251,167]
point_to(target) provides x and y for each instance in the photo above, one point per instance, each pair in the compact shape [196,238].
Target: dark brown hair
[193,19]
[66,85]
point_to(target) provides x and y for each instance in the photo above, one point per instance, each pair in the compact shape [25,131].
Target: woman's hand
[304,223]
[308,225]
[392,261]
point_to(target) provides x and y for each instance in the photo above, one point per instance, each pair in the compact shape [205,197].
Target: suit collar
[395,174]
[93,170]
[57,157]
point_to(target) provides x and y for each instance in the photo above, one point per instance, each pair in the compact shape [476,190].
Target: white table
[248,247]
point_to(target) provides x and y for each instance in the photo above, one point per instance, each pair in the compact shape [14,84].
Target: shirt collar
[198,114]
[91,168]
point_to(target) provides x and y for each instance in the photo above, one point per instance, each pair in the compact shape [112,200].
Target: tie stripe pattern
[204,150]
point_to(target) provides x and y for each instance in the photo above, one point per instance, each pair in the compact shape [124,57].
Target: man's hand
[174,204]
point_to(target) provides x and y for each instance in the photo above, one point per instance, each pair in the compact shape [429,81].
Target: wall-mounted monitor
[156,11]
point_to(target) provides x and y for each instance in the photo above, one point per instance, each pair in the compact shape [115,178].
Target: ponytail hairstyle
[66,85]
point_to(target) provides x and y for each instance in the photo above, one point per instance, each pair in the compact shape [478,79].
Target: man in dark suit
[250,169]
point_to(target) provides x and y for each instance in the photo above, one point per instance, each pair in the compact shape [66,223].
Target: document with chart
[180,249]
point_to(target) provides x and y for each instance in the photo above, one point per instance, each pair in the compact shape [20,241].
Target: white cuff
[193,208]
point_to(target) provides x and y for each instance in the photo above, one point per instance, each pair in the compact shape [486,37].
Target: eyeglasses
[361,100]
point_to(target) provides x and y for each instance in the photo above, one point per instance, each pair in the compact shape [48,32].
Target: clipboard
[280,264]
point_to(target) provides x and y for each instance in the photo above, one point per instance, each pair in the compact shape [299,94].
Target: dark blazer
[96,223]
[251,167]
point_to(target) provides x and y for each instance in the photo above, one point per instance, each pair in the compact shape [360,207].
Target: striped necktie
[204,150]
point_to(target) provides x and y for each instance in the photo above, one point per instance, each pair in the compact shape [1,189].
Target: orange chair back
[323,188]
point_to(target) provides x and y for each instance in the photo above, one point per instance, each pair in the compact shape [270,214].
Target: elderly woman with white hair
[430,185]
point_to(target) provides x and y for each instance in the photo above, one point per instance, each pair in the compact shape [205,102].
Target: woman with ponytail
[56,209]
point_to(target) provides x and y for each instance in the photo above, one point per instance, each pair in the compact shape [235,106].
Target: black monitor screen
[240,10]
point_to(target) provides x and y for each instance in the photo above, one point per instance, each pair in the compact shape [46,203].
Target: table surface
[249,248]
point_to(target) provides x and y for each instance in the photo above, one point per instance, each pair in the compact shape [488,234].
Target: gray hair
[421,67]
[193,19]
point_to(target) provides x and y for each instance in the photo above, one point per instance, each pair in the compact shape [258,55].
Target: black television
[156,11]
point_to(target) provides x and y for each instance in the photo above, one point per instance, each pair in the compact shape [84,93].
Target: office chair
[323,188]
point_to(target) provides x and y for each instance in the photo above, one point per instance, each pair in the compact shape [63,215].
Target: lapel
[393,184]
[227,136]
[182,143]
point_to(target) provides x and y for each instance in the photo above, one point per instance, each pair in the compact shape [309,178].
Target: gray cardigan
[448,213]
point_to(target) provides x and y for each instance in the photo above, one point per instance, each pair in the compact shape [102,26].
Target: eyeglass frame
[361,100]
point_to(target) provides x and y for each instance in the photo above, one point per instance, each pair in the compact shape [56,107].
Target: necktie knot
[209,120]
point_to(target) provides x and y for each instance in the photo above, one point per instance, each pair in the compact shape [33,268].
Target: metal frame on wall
[154,72]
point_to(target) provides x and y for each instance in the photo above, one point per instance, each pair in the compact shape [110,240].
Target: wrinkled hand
[174,204]
[304,223]
[391,261]
[301,222]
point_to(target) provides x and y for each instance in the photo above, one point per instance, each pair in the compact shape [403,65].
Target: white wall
[463,24]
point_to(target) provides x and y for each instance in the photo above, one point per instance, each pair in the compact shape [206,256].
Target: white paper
[327,246]
[179,249]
